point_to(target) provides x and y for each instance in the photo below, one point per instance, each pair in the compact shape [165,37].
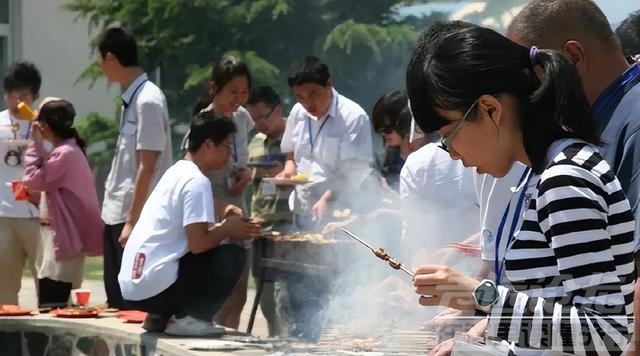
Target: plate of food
[300,178]
[14,310]
[75,312]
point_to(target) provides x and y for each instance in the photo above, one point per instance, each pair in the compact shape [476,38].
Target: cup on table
[82,296]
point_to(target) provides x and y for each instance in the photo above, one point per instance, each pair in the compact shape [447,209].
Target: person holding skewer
[567,277]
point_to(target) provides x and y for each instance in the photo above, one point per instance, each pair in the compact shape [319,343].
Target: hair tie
[533,56]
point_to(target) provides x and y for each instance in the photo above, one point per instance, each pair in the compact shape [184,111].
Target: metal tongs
[380,253]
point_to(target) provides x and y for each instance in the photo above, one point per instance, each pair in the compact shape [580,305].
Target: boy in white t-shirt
[174,263]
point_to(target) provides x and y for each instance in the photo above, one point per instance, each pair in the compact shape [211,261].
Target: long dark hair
[59,114]
[456,63]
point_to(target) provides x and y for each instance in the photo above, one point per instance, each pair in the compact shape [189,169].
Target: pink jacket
[72,200]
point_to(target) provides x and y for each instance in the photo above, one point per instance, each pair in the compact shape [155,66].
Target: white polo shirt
[151,257]
[495,194]
[9,141]
[144,126]
[439,202]
[322,146]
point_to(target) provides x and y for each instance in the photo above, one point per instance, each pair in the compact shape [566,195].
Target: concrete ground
[28,298]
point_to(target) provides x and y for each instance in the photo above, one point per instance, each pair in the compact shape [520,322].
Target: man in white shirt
[19,223]
[143,151]
[174,262]
[327,136]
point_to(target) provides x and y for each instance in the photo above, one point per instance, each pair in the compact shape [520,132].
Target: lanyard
[608,101]
[498,263]
[15,131]
[313,141]
[126,105]
[235,150]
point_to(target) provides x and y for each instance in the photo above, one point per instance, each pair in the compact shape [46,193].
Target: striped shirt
[571,263]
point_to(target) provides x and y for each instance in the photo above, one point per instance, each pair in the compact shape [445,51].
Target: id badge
[267,188]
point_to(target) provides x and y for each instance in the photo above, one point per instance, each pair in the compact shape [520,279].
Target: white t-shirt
[10,141]
[152,255]
[144,126]
[439,203]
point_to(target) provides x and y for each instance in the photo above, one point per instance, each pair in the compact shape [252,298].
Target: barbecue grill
[281,258]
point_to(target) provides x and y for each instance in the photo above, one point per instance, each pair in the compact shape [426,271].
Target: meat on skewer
[394,264]
[380,253]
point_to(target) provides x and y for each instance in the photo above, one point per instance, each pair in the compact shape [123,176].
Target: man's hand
[289,170]
[241,228]
[126,232]
[319,210]
[231,210]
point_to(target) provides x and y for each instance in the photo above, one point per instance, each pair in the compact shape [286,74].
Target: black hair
[629,35]
[23,75]
[391,112]
[209,125]
[227,69]
[264,94]
[308,70]
[550,23]
[450,70]
[59,115]
[121,44]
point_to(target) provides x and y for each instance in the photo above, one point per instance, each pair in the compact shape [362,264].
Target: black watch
[485,295]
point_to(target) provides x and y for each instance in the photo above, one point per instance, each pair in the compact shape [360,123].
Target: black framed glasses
[266,117]
[445,142]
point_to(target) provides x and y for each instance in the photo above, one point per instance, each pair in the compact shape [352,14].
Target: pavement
[29,298]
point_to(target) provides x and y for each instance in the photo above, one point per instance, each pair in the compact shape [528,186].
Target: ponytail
[558,103]
[79,141]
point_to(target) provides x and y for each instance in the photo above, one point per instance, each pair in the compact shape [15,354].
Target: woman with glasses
[566,280]
[72,228]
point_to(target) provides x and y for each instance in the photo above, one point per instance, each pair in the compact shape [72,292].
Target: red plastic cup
[82,296]
[19,190]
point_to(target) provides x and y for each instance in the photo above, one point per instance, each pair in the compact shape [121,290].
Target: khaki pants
[19,240]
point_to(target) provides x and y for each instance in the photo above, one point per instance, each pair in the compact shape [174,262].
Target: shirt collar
[131,90]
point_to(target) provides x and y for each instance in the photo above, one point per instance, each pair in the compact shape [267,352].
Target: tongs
[380,253]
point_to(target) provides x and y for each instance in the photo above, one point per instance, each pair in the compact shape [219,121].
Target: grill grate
[395,341]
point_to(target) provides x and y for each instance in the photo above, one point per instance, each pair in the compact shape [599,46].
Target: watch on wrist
[485,295]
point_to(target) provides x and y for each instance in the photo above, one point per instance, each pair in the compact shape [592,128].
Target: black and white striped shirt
[571,264]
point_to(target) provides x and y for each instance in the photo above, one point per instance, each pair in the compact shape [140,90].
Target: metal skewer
[373,249]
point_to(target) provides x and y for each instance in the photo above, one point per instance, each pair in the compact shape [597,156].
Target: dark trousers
[204,282]
[112,261]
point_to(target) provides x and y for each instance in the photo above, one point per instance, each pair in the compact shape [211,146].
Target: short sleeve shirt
[144,126]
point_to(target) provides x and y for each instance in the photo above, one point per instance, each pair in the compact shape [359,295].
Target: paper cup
[19,190]
[82,296]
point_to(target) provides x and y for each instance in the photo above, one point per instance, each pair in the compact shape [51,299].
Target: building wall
[59,45]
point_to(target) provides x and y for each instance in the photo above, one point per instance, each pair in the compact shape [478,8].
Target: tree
[366,48]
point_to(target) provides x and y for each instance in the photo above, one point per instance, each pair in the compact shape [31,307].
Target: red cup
[82,297]
[19,190]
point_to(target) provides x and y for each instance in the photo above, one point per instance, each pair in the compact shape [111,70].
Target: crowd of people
[521,147]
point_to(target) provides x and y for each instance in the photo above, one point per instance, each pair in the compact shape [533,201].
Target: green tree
[367,48]
[100,134]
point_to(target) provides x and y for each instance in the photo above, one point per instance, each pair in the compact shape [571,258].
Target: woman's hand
[442,285]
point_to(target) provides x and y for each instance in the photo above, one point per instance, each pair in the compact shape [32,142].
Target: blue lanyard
[234,153]
[608,101]
[312,141]
[126,105]
[498,263]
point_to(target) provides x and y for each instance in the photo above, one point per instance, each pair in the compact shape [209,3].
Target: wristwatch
[485,295]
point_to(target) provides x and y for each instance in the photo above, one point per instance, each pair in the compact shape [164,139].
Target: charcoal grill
[396,341]
[277,260]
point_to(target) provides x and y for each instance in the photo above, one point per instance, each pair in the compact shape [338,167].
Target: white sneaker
[190,326]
